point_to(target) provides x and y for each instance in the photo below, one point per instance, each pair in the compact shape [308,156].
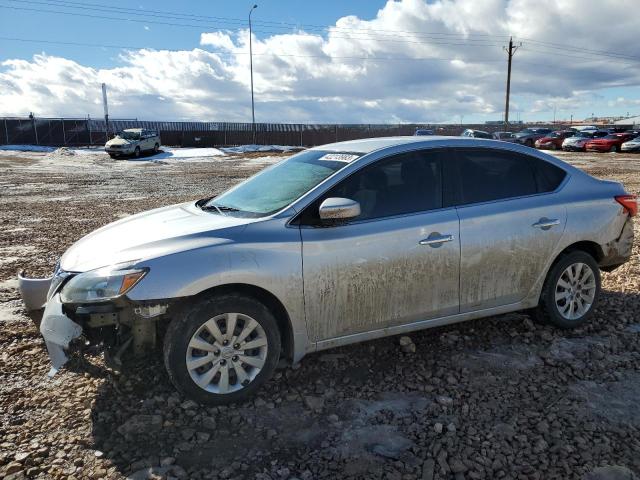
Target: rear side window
[548,176]
[484,175]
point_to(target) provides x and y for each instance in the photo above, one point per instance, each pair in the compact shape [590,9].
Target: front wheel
[614,149]
[570,291]
[222,349]
[156,147]
[136,152]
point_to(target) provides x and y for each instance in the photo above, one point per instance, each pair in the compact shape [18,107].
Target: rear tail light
[629,203]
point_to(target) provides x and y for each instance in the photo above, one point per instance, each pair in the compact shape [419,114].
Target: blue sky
[373,62]
[67,28]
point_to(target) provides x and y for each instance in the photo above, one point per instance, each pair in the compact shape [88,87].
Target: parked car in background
[553,141]
[585,128]
[475,134]
[528,136]
[504,136]
[577,141]
[422,132]
[338,244]
[611,143]
[132,142]
[632,145]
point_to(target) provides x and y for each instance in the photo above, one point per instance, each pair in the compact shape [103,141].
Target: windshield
[278,186]
[613,137]
[583,135]
[526,131]
[129,135]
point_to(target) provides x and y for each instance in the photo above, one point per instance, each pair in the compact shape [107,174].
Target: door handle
[435,239]
[546,223]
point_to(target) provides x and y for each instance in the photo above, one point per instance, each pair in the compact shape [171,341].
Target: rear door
[510,223]
[398,262]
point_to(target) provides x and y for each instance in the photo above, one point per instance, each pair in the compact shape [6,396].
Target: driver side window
[403,184]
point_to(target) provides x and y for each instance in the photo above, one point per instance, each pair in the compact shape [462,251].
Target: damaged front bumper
[57,329]
[114,324]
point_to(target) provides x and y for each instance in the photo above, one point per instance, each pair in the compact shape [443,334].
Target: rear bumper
[618,251]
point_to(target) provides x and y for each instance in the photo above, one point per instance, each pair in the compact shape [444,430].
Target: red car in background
[610,143]
[553,141]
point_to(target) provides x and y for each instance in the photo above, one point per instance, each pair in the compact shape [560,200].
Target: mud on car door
[398,262]
[509,223]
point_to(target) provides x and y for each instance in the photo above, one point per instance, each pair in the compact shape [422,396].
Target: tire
[136,152]
[561,313]
[156,147]
[614,149]
[529,143]
[195,324]
[554,146]
[113,156]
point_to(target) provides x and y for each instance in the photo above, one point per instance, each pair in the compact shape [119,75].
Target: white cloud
[455,67]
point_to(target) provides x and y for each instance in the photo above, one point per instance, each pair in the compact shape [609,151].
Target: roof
[368,145]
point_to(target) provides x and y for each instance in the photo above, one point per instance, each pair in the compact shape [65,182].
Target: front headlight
[101,285]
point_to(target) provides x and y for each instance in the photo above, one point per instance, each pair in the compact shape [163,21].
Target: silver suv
[133,142]
[338,244]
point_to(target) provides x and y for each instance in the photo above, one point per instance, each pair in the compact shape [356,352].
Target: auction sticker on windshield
[339,157]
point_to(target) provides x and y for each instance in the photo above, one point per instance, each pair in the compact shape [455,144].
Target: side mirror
[339,209]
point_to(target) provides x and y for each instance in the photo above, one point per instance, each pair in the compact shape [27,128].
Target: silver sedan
[338,244]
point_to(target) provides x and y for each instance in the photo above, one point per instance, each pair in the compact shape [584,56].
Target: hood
[572,140]
[119,141]
[150,234]
[635,141]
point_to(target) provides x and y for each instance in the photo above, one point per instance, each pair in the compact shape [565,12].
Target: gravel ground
[493,398]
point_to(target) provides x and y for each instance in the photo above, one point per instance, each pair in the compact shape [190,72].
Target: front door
[397,263]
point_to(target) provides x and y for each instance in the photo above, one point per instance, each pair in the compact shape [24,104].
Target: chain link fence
[57,132]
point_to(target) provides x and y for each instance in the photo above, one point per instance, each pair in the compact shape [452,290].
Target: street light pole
[253,112]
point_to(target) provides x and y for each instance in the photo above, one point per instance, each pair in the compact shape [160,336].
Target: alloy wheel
[226,353]
[575,291]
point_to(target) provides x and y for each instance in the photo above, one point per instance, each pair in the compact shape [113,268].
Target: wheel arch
[269,300]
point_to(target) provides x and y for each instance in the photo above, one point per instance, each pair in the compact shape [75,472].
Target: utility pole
[253,112]
[510,51]
[106,108]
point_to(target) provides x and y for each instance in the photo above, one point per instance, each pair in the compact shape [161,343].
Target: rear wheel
[136,152]
[529,143]
[554,146]
[156,147]
[570,291]
[614,149]
[221,350]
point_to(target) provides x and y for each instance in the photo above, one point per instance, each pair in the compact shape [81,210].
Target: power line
[460,42]
[242,22]
[353,34]
[234,53]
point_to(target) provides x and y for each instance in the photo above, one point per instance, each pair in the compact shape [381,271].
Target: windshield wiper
[219,208]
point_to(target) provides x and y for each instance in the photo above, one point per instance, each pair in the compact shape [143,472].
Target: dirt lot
[493,398]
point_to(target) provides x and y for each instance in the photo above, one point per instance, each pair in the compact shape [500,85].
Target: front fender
[267,255]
